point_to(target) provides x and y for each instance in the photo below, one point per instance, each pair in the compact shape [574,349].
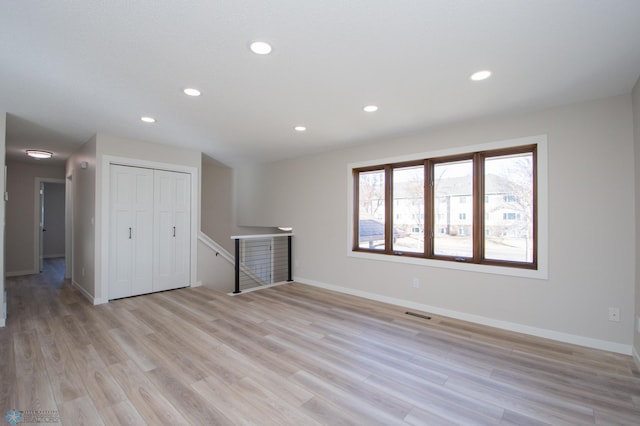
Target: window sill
[539,274]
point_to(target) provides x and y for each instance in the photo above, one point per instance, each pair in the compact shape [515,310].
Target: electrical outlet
[614,314]
[416,283]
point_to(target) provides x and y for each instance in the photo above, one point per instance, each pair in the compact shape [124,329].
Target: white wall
[591,226]
[83,183]
[3,134]
[636,127]
[20,214]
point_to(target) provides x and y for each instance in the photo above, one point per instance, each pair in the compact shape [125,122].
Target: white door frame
[36,219]
[102,268]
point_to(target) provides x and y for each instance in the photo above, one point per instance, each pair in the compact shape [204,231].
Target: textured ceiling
[71,69]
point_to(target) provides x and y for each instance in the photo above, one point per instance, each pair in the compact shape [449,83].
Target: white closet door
[172,211]
[131,231]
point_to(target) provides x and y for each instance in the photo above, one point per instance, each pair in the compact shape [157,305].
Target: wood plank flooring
[289,355]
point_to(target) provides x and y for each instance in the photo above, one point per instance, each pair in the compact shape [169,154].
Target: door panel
[164,249]
[172,230]
[131,231]
[41,228]
[182,222]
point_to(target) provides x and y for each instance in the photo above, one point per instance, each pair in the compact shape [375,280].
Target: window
[408,196]
[371,209]
[513,174]
[451,180]
[478,207]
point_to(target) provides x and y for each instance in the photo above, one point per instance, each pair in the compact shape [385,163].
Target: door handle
[174,231]
[129,233]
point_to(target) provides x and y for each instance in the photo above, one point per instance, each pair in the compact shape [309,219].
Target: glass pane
[508,227]
[453,209]
[371,210]
[408,209]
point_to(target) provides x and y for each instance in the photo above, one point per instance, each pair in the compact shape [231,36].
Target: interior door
[131,236]
[41,229]
[172,211]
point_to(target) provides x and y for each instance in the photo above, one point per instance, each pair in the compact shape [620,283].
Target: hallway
[30,296]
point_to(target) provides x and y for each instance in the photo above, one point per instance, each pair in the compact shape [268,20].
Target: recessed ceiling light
[481,75]
[36,153]
[260,48]
[190,91]
[148,119]
[370,108]
[300,129]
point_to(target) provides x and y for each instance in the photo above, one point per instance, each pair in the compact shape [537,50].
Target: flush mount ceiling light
[190,91]
[300,129]
[148,119]
[36,153]
[480,75]
[260,48]
[370,108]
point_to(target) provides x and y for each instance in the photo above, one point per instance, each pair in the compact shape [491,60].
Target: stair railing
[262,259]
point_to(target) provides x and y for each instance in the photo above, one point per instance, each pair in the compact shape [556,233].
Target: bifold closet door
[131,231]
[172,230]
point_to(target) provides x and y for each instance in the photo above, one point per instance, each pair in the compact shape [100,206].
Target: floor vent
[413,314]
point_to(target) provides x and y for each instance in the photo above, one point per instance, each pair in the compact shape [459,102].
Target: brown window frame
[478,216]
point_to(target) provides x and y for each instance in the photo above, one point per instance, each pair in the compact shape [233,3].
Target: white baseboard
[20,273]
[260,287]
[491,322]
[636,357]
[3,311]
[88,296]
[196,284]
[3,318]
[52,256]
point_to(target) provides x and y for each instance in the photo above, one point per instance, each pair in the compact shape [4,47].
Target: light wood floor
[289,355]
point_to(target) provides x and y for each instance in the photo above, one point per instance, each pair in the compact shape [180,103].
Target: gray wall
[591,226]
[636,126]
[3,132]
[20,214]
[217,203]
[83,189]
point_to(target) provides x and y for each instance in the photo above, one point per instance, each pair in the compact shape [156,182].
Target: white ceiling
[71,69]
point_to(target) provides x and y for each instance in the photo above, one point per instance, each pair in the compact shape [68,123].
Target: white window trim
[542,214]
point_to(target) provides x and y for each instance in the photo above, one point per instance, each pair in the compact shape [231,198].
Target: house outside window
[478,207]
